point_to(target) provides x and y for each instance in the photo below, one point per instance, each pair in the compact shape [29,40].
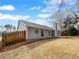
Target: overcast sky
[37,11]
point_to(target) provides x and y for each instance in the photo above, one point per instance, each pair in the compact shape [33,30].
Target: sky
[37,11]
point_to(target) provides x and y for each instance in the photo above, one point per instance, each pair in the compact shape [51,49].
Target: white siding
[33,35]
[22,27]
[46,33]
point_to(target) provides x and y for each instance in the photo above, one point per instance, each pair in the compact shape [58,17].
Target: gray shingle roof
[30,24]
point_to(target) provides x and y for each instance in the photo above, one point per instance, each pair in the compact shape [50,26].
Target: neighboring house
[34,31]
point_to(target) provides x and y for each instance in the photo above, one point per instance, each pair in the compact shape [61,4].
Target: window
[53,33]
[36,31]
[42,33]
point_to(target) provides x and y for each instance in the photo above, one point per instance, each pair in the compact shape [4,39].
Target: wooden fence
[13,37]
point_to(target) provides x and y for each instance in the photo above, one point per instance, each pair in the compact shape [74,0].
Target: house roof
[33,25]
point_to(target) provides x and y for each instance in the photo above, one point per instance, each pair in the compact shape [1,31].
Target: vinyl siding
[33,35]
[22,27]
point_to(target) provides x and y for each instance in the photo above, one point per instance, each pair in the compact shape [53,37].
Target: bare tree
[60,16]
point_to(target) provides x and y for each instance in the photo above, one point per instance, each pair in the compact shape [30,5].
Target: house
[34,31]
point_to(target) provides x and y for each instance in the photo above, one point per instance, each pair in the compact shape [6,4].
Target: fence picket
[13,37]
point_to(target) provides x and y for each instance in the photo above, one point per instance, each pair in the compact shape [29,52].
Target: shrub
[72,31]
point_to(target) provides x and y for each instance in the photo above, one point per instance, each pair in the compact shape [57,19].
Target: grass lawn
[61,48]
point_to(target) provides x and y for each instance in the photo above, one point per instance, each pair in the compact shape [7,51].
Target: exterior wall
[33,35]
[30,32]
[22,27]
[47,33]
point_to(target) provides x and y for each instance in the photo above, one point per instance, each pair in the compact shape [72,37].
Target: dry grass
[61,48]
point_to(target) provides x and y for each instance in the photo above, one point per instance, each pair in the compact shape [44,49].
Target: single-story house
[35,31]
